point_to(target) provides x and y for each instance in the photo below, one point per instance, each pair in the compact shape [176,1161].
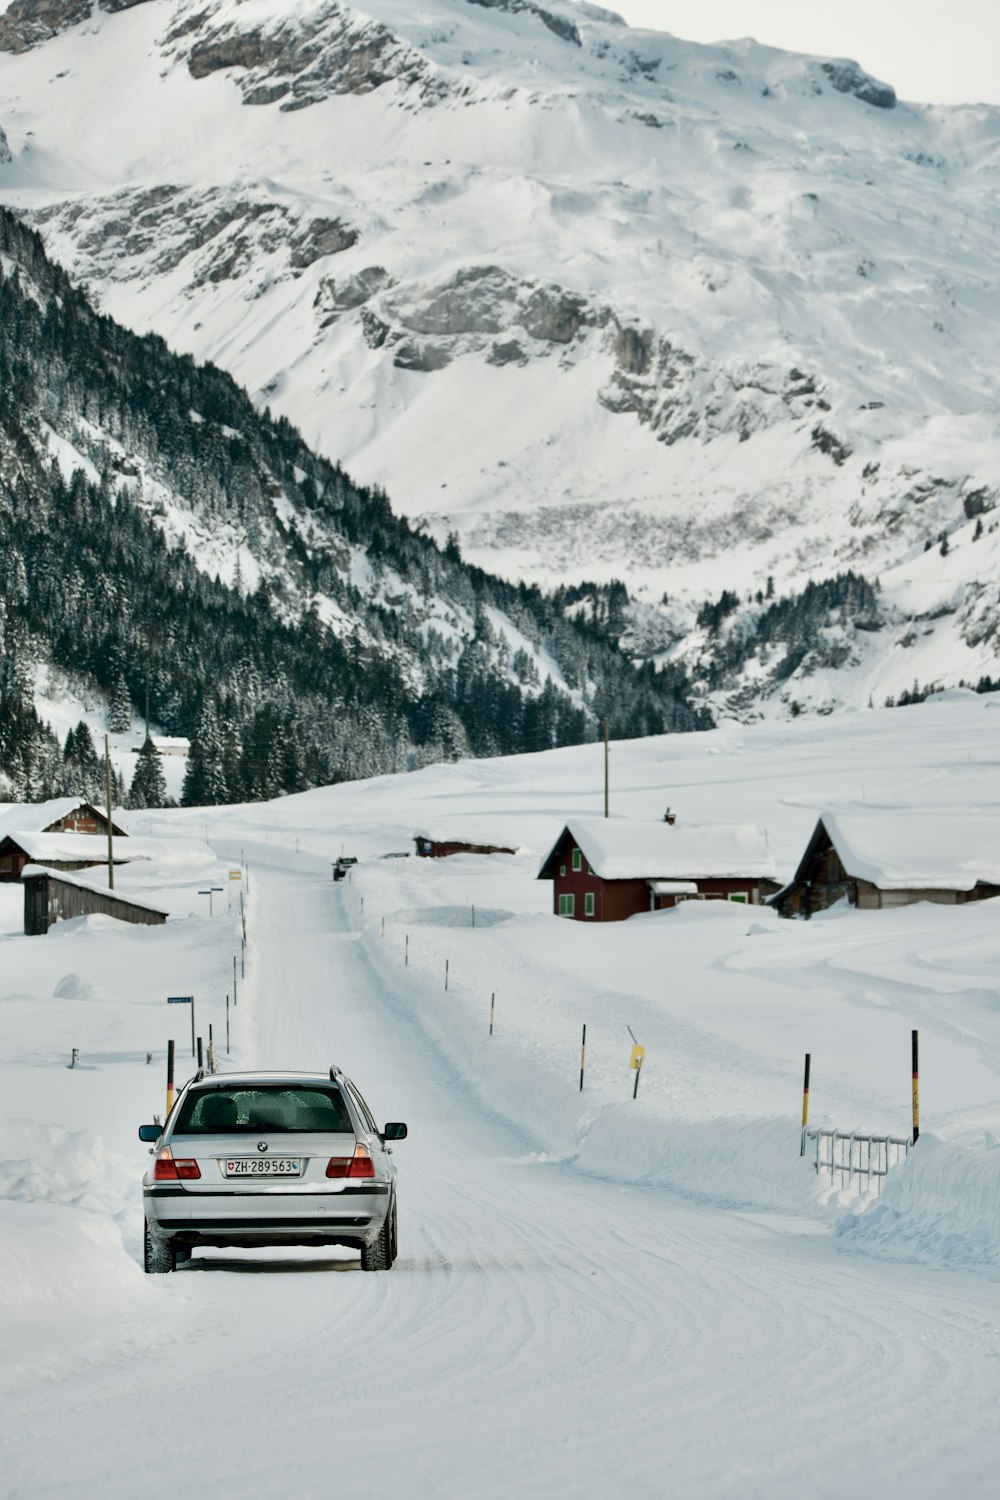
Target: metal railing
[848,1154]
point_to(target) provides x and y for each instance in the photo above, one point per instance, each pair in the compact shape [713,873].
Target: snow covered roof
[673,887]
[92,846]
[33,872]
[36,815]
[917,849]
[619,849]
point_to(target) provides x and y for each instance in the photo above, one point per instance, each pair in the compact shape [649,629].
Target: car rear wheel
[378,1256]
[157,1255]
[393,1236]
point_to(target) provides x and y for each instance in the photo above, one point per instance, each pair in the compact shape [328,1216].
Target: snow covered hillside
[604,302]
[587,1281]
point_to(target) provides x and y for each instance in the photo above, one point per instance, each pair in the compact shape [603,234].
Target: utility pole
[605,768]
[107,793]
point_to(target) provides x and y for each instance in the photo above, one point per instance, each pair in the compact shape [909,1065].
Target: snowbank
[942,1206]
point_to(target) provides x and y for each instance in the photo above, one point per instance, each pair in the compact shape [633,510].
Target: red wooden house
[607,869]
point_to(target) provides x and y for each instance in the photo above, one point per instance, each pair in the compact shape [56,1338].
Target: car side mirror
[151,1132]
[395,1130]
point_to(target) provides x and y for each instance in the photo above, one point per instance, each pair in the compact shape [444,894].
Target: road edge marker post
[446,973]
[228,1047]
[805,1103]
[201,1059]
[915,1052]
[636,1061]
[583,1055]
[492,1003]
[170,1077]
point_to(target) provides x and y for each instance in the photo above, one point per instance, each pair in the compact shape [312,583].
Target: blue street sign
[180,999]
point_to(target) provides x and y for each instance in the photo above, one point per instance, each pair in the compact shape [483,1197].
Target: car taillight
[166,1169]
[358,1165]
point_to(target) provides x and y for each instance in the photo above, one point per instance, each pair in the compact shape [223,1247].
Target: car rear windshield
[225,1111]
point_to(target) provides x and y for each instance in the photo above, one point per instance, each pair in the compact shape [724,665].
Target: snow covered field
[595,1295]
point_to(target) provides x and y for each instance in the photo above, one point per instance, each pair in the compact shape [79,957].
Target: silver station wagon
[249,1159]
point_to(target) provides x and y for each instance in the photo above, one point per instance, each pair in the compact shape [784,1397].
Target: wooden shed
[438,845]
[879,859]
[50,897]
[58,851]
[607,869]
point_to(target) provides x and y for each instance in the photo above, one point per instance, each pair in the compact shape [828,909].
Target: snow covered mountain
[602,302]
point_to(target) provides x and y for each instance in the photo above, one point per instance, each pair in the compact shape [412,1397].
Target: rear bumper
[351,1215]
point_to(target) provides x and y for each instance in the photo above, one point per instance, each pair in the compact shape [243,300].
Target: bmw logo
[261,1145]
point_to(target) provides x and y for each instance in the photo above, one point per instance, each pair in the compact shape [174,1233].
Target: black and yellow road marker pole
[805,1103]
[170,1076]
[915,1039]
[492,1003]
[583,1057]
[228,1047]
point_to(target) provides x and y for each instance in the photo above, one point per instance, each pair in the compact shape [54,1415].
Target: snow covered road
[545,1332]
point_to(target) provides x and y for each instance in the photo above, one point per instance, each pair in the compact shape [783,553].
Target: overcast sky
[935,51]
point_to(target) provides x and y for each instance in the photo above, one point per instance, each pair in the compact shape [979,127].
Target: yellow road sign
[236,874]
[638,1057]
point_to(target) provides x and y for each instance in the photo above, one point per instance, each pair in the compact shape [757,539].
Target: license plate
[263,1166]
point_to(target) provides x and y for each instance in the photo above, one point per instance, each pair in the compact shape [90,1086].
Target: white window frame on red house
[588,904]
[577,860]
[567,905]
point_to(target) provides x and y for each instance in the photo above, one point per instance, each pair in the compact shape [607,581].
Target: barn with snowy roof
[607,869]
[66,833]
[58,815]
[877,859]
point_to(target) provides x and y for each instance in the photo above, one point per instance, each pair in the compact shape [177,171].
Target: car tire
[157,1255]
[393,1235]
[377,1256]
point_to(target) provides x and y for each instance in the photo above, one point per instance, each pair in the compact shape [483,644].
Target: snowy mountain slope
[604,302]
[161,540]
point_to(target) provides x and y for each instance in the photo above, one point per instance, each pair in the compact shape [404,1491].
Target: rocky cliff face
[28,23]
[297,61]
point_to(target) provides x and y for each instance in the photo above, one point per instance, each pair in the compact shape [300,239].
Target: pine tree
[120,708]
[205,778]
[149,788]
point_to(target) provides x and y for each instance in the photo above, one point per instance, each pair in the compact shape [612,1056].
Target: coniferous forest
[341,643]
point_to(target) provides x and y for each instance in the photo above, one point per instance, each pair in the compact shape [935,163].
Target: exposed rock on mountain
[557,24]
[297,61]
[848,78]
[27,23]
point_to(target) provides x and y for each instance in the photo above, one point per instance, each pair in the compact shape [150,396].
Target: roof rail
[335,1072]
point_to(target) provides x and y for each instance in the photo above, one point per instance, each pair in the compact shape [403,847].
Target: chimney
[670,816]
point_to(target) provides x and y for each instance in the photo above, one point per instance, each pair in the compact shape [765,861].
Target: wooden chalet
[607,869]
[58,851]
[51,897]
[439,845]
[60,815]
[874,860]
